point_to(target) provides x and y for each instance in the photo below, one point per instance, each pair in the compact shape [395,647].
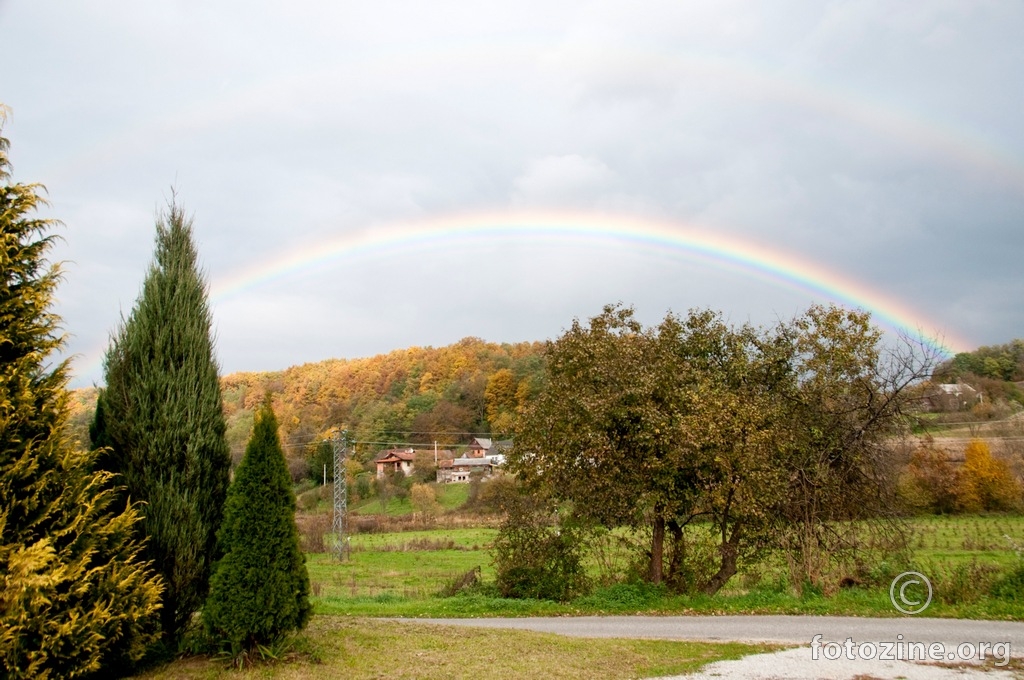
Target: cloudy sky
[369,176]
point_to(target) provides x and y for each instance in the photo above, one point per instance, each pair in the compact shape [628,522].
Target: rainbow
[687,241]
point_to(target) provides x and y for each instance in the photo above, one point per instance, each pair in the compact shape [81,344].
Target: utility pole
[340,445]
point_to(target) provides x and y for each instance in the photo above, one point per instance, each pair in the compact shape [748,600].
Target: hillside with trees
[418,395]
[996,370]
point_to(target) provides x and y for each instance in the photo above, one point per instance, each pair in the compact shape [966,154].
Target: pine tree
[75,597]
[161,415]
[260,589]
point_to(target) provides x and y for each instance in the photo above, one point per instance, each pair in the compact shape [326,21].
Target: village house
[394,460]
[952,397]
[483,457]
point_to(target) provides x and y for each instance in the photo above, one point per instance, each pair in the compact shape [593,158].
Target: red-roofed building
[393,460]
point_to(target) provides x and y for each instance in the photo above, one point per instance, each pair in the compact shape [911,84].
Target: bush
[630,597]
[534,559]
[962,583]
[312,532]
[1011,585]
[424,500]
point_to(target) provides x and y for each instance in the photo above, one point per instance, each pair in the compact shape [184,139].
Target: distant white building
[953,397]
[483,457]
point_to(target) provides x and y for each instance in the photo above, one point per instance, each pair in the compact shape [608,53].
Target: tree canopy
[770,435]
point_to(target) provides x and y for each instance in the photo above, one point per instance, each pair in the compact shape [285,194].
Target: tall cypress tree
[260,589]
[75,597]
[163,421]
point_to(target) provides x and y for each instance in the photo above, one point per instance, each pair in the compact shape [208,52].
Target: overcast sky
[883,142]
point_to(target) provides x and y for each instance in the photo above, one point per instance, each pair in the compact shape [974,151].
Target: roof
[957,388]
[396,454]
[486,460]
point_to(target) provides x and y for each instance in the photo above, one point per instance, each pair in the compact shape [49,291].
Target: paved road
[785,629]
[797,630]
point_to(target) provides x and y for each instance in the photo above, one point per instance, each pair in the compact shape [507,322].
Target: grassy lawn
[336,647]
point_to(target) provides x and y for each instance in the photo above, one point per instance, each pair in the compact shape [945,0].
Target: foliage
[161,415]
[533,559]
[1000,362]
[1011,585]
[75,597]
[983,483]
[604,432]
[259,589]
[424,500]
[490,496]
[843,411]
[771,435]
[420,394]
[986,482]
[929,482]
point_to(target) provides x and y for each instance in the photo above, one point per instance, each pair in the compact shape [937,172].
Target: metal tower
[340,445]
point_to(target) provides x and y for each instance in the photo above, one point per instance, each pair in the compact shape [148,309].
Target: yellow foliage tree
[424,500]
[75,597]
[986,482]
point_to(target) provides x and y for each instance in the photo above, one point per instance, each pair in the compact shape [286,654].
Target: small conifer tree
[259,590]
[75,597]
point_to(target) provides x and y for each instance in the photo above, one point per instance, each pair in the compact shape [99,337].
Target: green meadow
[405,573]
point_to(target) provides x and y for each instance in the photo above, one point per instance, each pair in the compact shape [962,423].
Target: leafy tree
[500,394]
[986,482]
[75,596]
[259,590]
[162,417]
[929,481]
[843,409]
[424,500]
[321,457]
[605,432]
[768,435]
[732,414]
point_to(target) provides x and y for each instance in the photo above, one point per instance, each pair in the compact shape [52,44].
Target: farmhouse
[393,460]
[483,457]
[952,397]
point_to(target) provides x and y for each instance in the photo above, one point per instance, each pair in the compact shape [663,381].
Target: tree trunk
[727,569]
[657,549]
[675,565]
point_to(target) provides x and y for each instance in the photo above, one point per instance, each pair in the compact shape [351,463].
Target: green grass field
[402,574]
[449,497]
